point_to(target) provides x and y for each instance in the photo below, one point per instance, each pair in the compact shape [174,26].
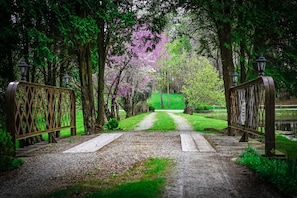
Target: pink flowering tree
[130,77]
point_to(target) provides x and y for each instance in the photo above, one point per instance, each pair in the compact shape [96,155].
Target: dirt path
[195,174]
[211,174]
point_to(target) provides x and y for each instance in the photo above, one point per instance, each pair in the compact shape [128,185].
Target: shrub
[7,159]
[112,124]
[203,107]
[151,108]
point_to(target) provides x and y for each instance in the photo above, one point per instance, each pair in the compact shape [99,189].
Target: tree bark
[127,106]
[102,45]
[161,98]
[224,31]
[168,92]
[87,96]
[115,93]
[242,63]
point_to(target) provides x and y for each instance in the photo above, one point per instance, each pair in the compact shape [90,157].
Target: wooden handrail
[252,110]
[34,109]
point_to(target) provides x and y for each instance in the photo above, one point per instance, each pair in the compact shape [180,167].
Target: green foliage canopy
[204,87]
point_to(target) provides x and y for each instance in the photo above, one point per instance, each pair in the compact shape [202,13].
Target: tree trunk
[225,42]
[87,96]
[168,94]
[188,109]
[125,104]
[140,107]
[242,46]
[242,63]
[118,112]
[101,67]
[115,93]
[161,99]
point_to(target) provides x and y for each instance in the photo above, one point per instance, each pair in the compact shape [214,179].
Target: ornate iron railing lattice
[33,109]
[252,109]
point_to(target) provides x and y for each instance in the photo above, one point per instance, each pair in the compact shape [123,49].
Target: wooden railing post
[269,117]
[252,111]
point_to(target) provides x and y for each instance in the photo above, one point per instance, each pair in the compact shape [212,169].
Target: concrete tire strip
[195,142]
[94,144]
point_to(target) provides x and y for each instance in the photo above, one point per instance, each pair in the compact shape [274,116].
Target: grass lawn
[66,132]
[200,122]
[130,123]
[286,146]
[176,101]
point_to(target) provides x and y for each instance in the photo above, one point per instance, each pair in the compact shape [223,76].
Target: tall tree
[131,75]
[80,30]
[219,13]
[8,44]
[202,87]
[116,20]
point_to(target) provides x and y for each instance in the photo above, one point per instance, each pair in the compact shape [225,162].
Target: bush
[7,159]
[203,107]
[112,124]
[151,108]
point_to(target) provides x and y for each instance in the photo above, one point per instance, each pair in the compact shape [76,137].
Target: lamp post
[261,63]
[24,69]
[66,78]
[234,78]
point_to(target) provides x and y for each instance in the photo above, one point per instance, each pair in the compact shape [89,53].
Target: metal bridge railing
[252,110]
[34,109]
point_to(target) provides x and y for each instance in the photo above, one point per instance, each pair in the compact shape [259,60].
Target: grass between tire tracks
[164,122]
[146,179]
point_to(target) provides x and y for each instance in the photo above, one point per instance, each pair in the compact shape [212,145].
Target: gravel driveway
[196,174]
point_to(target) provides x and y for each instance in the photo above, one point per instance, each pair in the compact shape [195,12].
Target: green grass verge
[280,173]
[176,101]
[146,179]
[199,122]
[164,122]
[79,125]
[67,132]
[216,114]
[130,123]
[286,146]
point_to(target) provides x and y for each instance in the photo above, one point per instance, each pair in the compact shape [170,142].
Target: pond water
[285,119]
